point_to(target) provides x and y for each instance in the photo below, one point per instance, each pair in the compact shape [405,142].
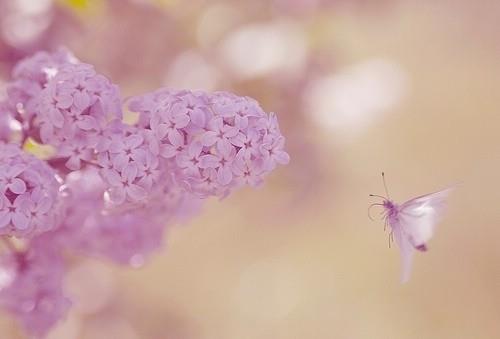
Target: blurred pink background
[360,87]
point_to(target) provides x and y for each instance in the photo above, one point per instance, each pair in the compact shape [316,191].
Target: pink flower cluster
[28,193]
[210,142]
[108,188]
[32,287]
[29,77]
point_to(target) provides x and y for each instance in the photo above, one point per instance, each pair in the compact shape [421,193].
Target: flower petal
[88,123]
[4,218]
[209,138]
[175,137]
[129,172]
[82,100]
[168,151]
[136,192]
[282,157]
[64,101]
[134,140]
[117,194]
[73,163]
[15,170]
[197,117]
[224,175]
[209,161]
[17,186]
[20,221]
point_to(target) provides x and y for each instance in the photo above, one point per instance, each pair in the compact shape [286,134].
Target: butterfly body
[412,223]
[392,218]
[390,210]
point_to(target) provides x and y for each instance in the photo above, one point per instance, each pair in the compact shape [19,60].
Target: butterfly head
[389,206]
[390,209]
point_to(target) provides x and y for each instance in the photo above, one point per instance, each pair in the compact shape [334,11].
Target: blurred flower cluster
[109,182]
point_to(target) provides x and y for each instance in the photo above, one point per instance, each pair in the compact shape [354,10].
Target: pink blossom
[248,143]
[112,189]
[76,103]
[42,66]
[148,171]
[30,76]
[219,133]
[207,185]
[13,213]
[131,171]
[247,172]
[28,193]
[202,134]
[190,161]
[126,237]
[273,151]
[9,178]
[222,162]
[174,147]
[77,151]
[33,293]
[127,149]
[124,186]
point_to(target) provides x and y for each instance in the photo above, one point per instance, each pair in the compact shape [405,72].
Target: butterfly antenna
[385,185]
[378,196]
[370,207]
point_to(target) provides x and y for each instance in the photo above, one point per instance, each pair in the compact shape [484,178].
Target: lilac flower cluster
[211,143]
[108,188]
[28,193]
[33,289]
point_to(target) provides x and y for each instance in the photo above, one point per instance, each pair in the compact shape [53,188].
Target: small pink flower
[219,133]
[127,149]
[9,178]
[28,192]
[124,186]
[148,172]
[247,172]
[272,149]
[168,123]
[176,146]
[76,152]
[38,208]
[14,213]
[222,161]
[190,161]
[248,143]
[207,185]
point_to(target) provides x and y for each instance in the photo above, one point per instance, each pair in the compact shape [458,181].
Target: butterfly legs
[387,225]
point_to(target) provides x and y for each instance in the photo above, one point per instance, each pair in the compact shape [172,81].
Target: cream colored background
[299,257]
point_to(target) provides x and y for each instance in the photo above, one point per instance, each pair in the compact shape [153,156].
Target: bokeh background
[407,87]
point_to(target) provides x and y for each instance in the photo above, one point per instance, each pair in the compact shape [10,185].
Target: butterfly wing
[405,249]
[413,225]
[418,217]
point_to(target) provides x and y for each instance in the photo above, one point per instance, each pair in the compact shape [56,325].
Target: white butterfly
[412,223]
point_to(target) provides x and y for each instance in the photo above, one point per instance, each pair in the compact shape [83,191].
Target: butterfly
[411,223]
